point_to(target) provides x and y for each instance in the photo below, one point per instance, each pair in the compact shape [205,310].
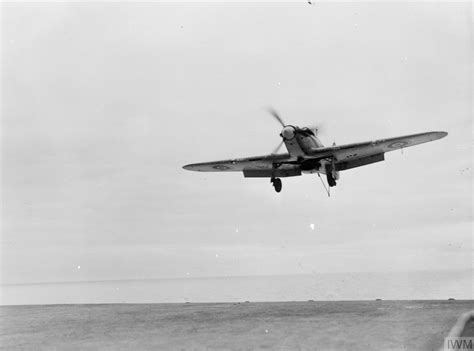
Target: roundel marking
[397,144]
[221,167]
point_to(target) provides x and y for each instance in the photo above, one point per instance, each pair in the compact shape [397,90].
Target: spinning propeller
[277,116]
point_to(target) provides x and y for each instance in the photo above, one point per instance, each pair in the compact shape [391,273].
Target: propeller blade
[277,148]
[277,116]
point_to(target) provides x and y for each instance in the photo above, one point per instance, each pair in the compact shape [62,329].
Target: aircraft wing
[360,154]
[258,166]
[345,157]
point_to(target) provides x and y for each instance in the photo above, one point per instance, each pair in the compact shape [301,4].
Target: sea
[424,285]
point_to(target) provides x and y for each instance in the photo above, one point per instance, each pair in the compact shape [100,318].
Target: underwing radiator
[267,173]
[342,166]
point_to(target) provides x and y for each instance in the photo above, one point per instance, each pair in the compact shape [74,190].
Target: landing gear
[276,184]
[331,180]
[329,176]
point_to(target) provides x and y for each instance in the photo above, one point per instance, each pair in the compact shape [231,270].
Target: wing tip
[189,167]
[441,134]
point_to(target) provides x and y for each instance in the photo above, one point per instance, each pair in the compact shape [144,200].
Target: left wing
[360,154]
[258,166]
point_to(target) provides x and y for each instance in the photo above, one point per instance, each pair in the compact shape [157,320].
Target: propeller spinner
[288,132]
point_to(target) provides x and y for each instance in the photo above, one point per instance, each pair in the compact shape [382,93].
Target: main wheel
[331,180]
[277,184]
[329,177]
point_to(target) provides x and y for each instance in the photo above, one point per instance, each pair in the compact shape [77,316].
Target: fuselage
[300,143]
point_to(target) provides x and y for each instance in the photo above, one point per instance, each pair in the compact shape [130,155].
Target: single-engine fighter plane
[306,154]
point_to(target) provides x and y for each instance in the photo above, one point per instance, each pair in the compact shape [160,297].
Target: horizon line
[230,277]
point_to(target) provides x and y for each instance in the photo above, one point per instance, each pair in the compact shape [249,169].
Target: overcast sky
[102,104]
